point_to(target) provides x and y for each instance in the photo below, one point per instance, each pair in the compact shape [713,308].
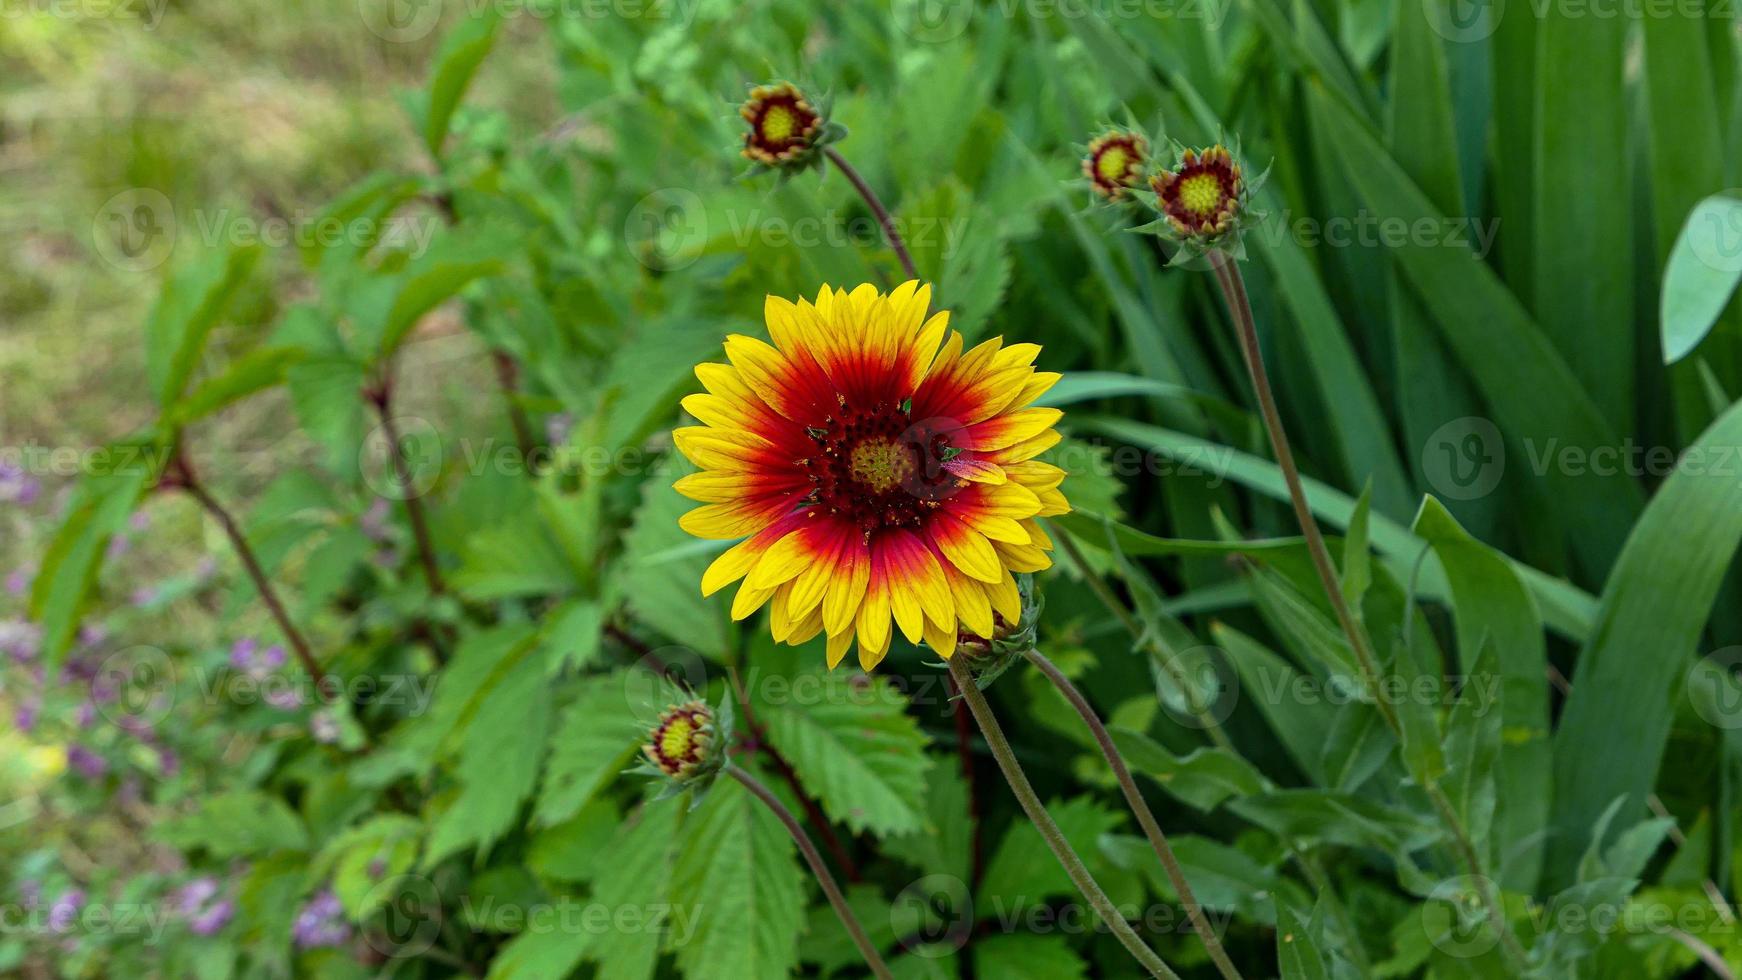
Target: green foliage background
[1494,280]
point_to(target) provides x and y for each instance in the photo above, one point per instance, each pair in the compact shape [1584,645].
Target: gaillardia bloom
[784,126]
[1201,197]
[875,469]
[680,744]
[1115,162]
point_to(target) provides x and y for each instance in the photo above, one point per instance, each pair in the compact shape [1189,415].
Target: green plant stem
[1213,729]
[877,209]
[1233,288]
[872,958]
[1140,809]
[1049,830]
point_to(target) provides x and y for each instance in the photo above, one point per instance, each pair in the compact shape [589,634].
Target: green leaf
[1357,564]
[463,50]
[1202,778]
[1083,386]
[573,850]
[74,556]
[326,394]
[1302,725]
[1611,738]
[572,634]
[666,594]
[1565,607]
[240,823]
[250,374]
[540,954]
[1024,869]
[448,268]
[1704,267]
[1582,289]
[359,859]
[1028,956]
[1297,950]
[497,770]
[594,741]
[943,846]
[189,309]
[637,875]
[1491,603]
[856,749]
[1536,398]
[736,869]
[515,557]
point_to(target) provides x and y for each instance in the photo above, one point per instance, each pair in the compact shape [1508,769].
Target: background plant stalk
[1233,287]
[1140,809]
[814,858]
[1049,830]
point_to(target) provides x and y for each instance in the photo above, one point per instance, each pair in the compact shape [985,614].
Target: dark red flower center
[876,467]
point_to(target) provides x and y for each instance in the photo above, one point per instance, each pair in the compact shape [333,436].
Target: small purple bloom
[321,922]
[87,763]
[214,919]
[118,546]
[86,714]
[26,717]
[18,580]
[19,639]
[168,761]
[143,596]
[93,634]
[17,486]
[198,902]
[65,909]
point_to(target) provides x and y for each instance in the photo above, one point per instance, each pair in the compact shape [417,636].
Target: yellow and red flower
[784,126]
[681,744]
[1115,162]
[1201,197]
[875,469]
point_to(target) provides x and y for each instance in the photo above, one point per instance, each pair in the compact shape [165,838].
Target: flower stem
[877,208]
[182,476]
[1234,293]
[1049,831]
[1140,809]
[872,958]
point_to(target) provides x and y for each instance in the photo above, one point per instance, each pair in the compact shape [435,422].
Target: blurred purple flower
[85,715]
[143,596]
[18,580]
[198,902]
[20,639]
[167,761]
[87,763]
[93,634]
[26,717]
[321,922]
[373,523]
[17,486]
[247,657]
[283,698]
[139,521]
[65,909]
[118,546]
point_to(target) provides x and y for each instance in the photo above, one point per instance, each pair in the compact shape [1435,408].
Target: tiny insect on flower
[1115,162]
[1201,197]
[875,469]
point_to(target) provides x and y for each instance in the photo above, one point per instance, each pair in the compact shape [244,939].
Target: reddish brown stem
[182,476]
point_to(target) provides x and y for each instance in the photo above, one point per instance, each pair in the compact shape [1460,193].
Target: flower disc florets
[1115,162]
[682,745]
[787,131]
[1203,196]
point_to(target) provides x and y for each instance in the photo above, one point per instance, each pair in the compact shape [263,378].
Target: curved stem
[872,958]
[877,208]
[1140,809]
[1049,831]
[184,477]
[1240,309]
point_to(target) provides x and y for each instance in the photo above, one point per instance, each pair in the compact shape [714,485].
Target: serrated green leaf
[463,50]
[857,750]
[736,868]
[74,556]
[594,741]
[240,823]
[497,770]
[1028,956]
[638,876]
[252,373]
